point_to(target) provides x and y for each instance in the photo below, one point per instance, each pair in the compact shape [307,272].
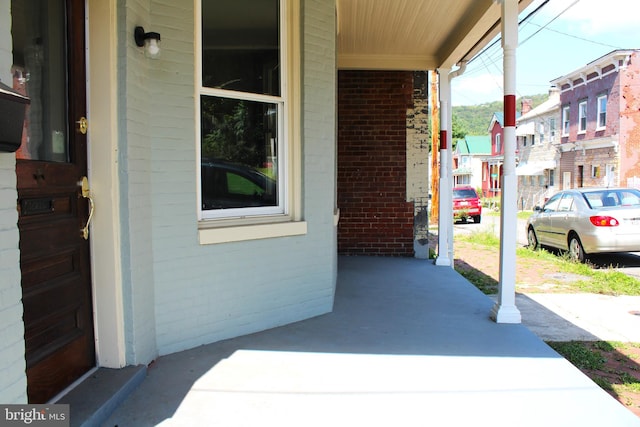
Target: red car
[466,204]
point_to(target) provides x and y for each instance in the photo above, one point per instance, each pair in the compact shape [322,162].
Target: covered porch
[408,343]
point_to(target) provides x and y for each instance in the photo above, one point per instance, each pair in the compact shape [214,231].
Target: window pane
[239,153]
[241,45]
[39,72]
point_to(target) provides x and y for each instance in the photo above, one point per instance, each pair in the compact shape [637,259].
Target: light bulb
[152,48]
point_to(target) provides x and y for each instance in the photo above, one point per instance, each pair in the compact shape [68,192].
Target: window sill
[582,132]
[241,233]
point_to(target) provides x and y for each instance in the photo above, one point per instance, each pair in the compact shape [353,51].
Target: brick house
[492,167]
[599,122]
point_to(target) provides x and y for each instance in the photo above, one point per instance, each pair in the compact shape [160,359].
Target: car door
[48,39]
[562,220]
[542,224]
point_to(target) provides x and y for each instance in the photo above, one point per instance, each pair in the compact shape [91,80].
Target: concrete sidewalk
[408,344]
[581,317]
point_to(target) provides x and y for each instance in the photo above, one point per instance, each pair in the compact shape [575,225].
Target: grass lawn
[607,281]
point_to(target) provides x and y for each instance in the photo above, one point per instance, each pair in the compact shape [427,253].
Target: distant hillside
[475,119]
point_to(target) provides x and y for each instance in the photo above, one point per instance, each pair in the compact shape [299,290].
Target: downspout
[445,209]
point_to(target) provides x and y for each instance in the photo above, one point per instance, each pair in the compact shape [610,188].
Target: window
[595,171]
[552,174]
[499,143]
[541,132]
[565,121]
[566,204]
[244,109]
[552,203]
[552,129]
[602,112]
[582,117]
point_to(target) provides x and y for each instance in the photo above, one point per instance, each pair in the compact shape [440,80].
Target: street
[628,263]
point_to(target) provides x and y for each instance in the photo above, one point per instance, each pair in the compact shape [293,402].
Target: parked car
[466,204]
[586,221]
[229,185]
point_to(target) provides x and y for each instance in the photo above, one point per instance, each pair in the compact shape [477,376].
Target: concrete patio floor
[408,344]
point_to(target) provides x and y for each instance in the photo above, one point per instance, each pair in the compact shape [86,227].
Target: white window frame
[582,117]
[498,143]
[552,129]
[228,225]
[601,120]
[566,120]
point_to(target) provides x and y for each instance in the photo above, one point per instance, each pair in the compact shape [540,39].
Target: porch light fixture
[150,41]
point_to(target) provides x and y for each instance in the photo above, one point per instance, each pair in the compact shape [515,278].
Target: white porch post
[445,208]
[505,310]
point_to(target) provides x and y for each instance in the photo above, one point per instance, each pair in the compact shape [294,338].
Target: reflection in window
[242,107]
[39,72]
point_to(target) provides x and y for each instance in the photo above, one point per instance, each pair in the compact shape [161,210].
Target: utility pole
[435,145]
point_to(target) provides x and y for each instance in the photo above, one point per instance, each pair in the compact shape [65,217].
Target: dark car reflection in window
[228,185]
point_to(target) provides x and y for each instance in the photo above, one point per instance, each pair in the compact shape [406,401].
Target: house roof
[474,144]
[552,103]
[414,34]
[595,66]
[498,117]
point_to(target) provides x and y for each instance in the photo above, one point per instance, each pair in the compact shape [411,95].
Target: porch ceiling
[414,34]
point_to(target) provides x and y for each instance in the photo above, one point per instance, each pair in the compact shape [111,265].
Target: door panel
[49,67]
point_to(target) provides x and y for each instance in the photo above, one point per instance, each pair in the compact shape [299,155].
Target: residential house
[181,181]
[538,152]
[468,157]
[492,169]
[599,115]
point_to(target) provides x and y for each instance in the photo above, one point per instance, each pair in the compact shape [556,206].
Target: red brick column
[375,218]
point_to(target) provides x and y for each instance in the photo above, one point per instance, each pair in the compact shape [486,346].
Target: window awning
[535,168]
[526,129]
[462,171]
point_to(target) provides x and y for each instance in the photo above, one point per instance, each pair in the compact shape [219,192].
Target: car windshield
[464,193]
[612,198]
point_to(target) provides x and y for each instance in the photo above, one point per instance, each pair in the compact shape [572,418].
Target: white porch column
[445,208]
[505,310]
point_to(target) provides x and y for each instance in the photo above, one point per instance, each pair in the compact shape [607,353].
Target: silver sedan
[585,221]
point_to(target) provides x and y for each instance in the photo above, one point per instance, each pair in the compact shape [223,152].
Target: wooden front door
[49,66]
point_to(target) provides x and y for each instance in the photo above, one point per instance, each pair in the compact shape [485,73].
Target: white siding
[205,293]
[135,164]
[13,387]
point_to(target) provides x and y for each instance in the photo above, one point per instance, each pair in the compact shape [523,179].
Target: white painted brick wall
[212,292]
[135,149]
[13,380]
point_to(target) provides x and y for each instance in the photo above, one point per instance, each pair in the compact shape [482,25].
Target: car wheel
[477,219]
[576,251]
[532,239]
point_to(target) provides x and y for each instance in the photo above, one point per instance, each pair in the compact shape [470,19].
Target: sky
[563,36]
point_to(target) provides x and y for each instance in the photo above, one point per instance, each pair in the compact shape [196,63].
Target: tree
[458,129]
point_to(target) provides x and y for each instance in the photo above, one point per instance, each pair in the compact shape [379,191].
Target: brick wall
[375,217]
